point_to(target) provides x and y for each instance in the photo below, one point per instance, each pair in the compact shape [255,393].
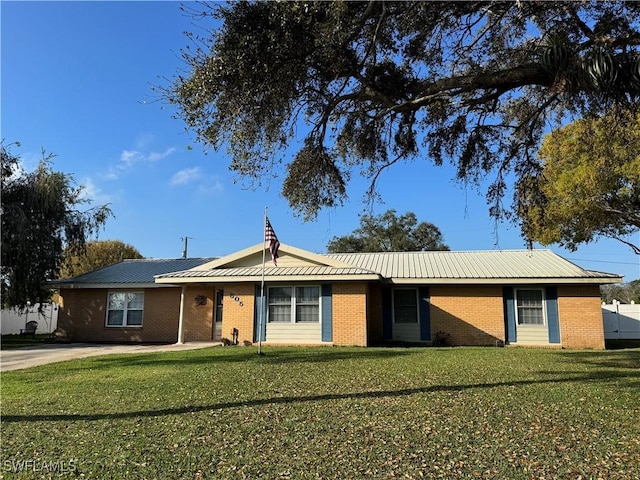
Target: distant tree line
[622,292]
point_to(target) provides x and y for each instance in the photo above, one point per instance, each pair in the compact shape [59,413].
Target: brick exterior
[580,314]
[350,313]
[238,308]
[82,316]
[469,314]
[198,317]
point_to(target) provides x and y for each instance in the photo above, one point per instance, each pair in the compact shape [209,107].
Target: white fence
[11,321]
[621,321]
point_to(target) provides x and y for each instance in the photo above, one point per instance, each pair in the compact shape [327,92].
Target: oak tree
[588,184]
[390,233]
[371,84]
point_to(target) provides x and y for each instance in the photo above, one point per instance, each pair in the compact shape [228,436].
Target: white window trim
[544,309]
[124,317]
[393,306]
[293,304]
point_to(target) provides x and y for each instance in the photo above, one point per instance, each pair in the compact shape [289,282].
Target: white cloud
[130,158]
[205,184]
[187,175]
[155,156]
[92,193]
[211,185]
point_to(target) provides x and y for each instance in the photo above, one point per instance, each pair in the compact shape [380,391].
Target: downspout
[181,317]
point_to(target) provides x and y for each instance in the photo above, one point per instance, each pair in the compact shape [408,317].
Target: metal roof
[310,272]
[434,267]
[446,267]
[141,271]
[471,265]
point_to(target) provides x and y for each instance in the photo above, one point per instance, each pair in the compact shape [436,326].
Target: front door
[217,315]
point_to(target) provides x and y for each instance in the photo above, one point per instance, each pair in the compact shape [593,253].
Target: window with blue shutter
[258,307]
[509,314]
[553,320]
[327,316]
[425,314]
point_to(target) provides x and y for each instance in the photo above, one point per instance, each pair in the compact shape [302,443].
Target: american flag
[274,244]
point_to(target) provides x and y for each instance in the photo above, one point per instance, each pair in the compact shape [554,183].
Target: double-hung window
[405,305]
[294,304]
[529,307]
[125,309]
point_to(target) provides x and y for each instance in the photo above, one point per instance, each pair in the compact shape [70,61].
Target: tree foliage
[97,254]
[624,292]
[390,233]
[589,183]
[40,217]
[371,84]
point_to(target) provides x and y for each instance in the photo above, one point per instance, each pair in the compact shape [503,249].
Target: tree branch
[503,80]
[635,248]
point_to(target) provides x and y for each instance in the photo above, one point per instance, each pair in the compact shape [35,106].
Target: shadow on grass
[633,381]
[221,355]
[619,359]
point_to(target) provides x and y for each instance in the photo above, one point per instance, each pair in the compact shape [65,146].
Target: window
[307,304]
[125,309]
[529,307]
[405,305]
[280,304]
[294,305]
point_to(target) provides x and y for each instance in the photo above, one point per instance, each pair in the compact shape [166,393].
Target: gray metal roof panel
[133,271]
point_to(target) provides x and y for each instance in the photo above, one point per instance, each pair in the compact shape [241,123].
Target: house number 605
[236,299]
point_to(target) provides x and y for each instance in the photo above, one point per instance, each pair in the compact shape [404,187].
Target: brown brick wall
[83,316]
[580,313]
[349,313]
[469,314]
[238,311]
[198,319]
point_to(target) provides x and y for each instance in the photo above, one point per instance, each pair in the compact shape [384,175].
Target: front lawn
[225,413]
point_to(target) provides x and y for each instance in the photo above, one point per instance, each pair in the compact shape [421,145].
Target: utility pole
[186,242]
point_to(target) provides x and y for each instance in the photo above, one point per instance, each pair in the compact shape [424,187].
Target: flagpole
[262,302]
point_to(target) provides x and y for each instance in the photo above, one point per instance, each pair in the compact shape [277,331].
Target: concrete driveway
[16,359]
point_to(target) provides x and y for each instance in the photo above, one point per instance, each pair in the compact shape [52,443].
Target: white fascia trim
[501,281]
[283,278]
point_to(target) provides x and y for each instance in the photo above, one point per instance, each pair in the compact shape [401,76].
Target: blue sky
[77,81]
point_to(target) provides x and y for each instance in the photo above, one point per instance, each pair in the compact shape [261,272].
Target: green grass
[18,341]
[301,413]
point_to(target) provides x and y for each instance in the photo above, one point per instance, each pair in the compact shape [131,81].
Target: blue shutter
[387,315]
[553,321]
[425,314]
[256,314]
[509,314]
[327,309]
